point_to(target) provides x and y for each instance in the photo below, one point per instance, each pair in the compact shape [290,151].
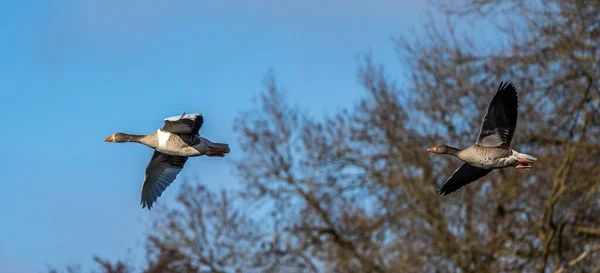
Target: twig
[579,258]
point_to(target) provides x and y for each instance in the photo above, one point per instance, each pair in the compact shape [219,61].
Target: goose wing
[500,120]
[464,175]
[160,173]
[184,124]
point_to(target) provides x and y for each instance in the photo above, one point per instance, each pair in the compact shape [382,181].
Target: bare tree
[355,192]
[364,187]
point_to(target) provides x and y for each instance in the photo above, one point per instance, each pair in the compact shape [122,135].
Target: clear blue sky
[73,72]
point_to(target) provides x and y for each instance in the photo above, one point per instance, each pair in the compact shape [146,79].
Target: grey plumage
[492,148]
[485,157]
[177,140]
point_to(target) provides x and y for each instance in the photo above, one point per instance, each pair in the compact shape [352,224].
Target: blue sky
[73,72]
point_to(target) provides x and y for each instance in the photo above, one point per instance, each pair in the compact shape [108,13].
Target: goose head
[439,149]
[117,137]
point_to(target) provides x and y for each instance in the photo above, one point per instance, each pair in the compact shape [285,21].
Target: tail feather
[223,146]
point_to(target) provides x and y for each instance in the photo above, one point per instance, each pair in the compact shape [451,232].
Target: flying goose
[177,140]
[492,148]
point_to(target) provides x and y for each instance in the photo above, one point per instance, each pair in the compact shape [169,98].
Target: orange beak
[109,139]
[432,149]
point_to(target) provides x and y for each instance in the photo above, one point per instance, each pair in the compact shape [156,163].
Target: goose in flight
[177,140]
[492,148]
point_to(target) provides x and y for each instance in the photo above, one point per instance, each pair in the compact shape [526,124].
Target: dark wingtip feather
[145,205]
[508,94]
[508,87]
[442,191]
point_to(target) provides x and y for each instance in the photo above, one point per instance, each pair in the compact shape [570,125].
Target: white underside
[525,156]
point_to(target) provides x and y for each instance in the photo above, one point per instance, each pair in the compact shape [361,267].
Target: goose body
[492,149]
[180,144]
[177,140]
[486,157]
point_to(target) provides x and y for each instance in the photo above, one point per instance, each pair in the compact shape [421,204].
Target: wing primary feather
[500,120]
[160,173]
[462,176]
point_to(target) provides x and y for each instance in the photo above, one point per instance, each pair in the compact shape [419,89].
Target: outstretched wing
[184,124]
[464,175]
[160,173]
[500,120]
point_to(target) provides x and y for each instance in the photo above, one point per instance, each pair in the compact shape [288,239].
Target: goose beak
[109,139]
[432,149]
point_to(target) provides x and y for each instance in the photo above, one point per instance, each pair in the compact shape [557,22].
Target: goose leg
[525,167]
[217,149]
[215,152]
